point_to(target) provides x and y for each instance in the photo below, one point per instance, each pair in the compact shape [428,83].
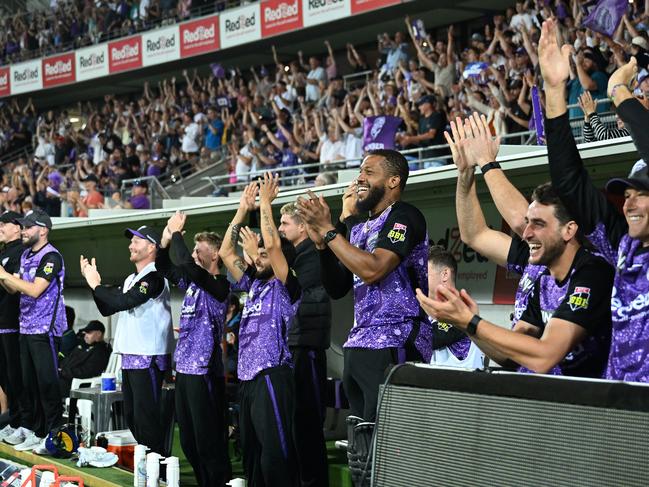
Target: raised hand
[89,271]
[316,213]
[177,222]
[268,188]
[249,242]
[623,75]
[350,197]
[554,61]
[247,202]
[586,103]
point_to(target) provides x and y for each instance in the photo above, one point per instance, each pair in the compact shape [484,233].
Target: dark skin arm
[371,267]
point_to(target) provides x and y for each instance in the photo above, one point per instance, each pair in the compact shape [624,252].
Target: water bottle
[139,466]
[173,471]
[153,469]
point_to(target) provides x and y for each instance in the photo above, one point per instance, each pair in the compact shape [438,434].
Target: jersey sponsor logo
[635,308]
[443,326]
[144,287]
[526,283]
[398,233]
[579,298]
[49,268]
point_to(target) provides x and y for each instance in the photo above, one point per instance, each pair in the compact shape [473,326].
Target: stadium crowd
[579,308]
[299,117]
[70,24]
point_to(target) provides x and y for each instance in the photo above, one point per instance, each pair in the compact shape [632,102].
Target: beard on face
[31,240]
[374,196]
[552,251]
[265,274]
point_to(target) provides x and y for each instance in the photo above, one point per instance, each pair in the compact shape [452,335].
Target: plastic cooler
[121,443]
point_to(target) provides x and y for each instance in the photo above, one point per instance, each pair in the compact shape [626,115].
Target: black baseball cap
[144,232]
[35,217]
[10,217]
[141,183]
[94,325]
[426,99]
[91,177]
[638,179]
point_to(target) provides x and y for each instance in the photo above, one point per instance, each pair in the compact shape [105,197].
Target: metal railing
[352,80]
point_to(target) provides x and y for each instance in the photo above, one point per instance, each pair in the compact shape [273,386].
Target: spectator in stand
[190,136]
[586,76]
[395,50]
[594,129]
[214,128]
[92,198]
[139,199]
[430,131]
[317,76]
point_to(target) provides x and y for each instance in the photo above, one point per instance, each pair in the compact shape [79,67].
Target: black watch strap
[329,236]
[489,166]
[472,328]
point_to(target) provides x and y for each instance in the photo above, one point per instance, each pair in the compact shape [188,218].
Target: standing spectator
[587,77]
[214,127]
[594,129]
[316,76]
[190,136]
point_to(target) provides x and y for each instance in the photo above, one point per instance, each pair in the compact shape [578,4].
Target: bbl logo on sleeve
[49,268]
[398,233]
[144,287]
[579,298]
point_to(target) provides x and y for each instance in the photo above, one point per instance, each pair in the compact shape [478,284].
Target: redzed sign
[59,70]
[125,54]
[199,36]
[359,6]
[5,81]
[278,16]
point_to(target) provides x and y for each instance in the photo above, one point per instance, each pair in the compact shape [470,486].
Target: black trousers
[11,378]
[200,412]
[310,374]
[364,371]
[39,361]
[267,408]
[141,389]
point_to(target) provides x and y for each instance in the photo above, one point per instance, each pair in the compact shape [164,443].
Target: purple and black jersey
[608,231]
[387,313]
[46,313]
[203,311]
[580,298]
[267,315]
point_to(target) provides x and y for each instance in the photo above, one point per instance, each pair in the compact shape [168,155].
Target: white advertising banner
[320,11]
[240,26]
[26,77]
[161,46]
[92,62]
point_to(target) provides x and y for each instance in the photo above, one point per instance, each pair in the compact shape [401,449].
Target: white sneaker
[6,431]
[41,449]
[17,437]
[31,441]
[96,457]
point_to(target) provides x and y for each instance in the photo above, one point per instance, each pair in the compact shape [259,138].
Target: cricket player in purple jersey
[384,261]
[622,238]
[42,321]
[267,390]
[200,379]
[564,321]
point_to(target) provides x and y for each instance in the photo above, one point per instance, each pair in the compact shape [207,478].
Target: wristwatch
[329,236]
[472,328]
[488,167]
